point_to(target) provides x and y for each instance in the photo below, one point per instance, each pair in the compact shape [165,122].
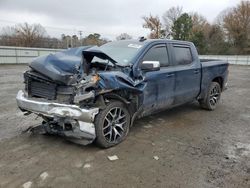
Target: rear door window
[183,55]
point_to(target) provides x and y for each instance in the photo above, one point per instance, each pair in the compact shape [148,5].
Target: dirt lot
[196,148]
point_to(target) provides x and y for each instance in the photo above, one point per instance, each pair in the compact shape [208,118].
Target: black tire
[212,98]
[108,133]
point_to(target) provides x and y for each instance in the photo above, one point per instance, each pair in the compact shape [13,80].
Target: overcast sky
[107,17]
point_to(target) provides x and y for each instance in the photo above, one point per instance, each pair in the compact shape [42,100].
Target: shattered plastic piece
[79,98]
[113,158]
[147,126]
[27,184]
[87,165]
[156,158]
[44,175]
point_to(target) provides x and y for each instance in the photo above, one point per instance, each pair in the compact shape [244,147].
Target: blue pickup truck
[95,93]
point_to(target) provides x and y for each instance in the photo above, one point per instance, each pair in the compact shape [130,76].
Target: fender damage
[79,94]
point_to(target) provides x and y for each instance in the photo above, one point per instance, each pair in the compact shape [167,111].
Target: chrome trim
[55,109]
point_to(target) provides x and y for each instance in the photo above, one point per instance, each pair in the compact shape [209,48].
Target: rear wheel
[212,97]
[112,124]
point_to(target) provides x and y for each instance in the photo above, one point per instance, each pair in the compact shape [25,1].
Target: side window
[183,55]
[157,53]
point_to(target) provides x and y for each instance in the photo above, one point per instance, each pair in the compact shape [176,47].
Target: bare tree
[155,26]
[199,32]
[237,25]
[8,31]
[199,22]
[25,34]
[169,17]
[219,19]
[123,36]
[216,43]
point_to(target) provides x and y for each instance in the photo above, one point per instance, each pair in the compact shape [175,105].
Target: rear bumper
[55,109]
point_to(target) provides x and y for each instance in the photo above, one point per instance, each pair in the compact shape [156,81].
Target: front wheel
[112,124]
[212,97]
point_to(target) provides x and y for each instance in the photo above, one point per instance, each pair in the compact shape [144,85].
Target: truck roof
[144,41]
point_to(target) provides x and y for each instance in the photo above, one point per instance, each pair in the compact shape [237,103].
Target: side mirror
[150,65]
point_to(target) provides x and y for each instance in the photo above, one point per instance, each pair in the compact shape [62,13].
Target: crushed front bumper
[83,117]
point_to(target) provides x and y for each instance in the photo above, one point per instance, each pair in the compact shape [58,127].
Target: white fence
[20,55]
[232,59]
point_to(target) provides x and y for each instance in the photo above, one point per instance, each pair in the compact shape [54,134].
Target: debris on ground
[87,165]
[147,126]
[113,158]
[44,175]
[156,158]
[27,184]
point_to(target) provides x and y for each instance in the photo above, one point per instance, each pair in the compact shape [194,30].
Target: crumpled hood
[59,66]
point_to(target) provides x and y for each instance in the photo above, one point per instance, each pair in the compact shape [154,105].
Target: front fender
[118,80]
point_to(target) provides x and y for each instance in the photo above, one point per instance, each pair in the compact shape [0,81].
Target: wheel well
[219,80]
[130,101]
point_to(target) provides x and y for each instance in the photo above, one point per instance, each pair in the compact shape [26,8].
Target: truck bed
[212,69]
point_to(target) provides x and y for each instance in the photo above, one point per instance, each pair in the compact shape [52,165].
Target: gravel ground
[182,147]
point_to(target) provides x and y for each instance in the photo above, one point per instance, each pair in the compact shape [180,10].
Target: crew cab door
[187,74]
[159,90]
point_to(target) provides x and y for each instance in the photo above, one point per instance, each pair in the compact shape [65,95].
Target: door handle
[196,71]
[170,75]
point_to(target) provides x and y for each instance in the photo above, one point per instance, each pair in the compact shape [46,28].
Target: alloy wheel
[114,122]
[214,96]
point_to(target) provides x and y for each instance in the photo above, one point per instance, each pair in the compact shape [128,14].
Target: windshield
[121,51]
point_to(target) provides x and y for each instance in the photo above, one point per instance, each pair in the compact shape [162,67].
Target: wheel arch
[219,80]
[129,98]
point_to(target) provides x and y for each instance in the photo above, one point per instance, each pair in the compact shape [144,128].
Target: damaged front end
[67,89]
[64,115]
[62,95]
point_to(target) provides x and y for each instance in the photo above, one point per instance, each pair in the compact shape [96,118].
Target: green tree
[94,39]
[181,29]
[199,40]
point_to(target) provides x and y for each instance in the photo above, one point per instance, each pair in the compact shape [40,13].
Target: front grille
[41,89]
[37,85]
